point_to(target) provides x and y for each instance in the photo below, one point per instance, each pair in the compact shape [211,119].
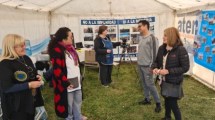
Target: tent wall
[74,23]
[202,74]
[32,25]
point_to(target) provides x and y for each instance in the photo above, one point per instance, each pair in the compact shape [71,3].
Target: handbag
[171,90]
[74,82]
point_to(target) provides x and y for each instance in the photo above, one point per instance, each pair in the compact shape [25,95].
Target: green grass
[120,100]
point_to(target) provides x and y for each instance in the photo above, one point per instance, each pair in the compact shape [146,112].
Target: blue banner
[116,22]
[204,44]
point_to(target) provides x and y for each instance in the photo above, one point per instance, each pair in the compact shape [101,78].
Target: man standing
[146,56]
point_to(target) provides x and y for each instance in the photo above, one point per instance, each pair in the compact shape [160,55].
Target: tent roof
[105,6]
[183,4]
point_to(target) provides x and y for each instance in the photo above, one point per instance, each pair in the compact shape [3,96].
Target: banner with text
[118,29]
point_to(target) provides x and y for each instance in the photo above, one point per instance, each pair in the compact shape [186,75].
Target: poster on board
[204,44]
[118,29]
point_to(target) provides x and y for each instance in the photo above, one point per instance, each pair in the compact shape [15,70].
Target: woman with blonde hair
[19,82]
[171,63]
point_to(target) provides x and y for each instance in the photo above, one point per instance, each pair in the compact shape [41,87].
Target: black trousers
[105,74]
[171,104]
[22,116]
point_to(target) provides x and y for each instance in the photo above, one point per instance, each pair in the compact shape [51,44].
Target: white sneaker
[83,118]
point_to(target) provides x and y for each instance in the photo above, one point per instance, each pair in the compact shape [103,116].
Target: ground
[120,100]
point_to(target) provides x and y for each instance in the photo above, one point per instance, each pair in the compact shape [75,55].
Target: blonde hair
[9,42]
[173,37]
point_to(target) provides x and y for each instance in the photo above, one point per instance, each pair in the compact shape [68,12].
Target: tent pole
[50,21]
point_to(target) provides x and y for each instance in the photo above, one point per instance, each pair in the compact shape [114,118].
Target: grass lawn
[120,100]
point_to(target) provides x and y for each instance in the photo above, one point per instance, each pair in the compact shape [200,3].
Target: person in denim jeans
[66,77]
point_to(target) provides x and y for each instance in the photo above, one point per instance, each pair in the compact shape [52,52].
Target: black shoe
[144,102]
[165,118]
[158,107]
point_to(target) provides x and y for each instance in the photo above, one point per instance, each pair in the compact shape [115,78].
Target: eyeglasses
[20,46]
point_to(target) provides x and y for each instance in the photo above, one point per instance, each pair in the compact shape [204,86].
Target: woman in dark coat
[104,55]
[19,82]
[171,63]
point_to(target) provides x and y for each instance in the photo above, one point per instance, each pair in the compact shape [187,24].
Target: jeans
[74,105]
[148,83]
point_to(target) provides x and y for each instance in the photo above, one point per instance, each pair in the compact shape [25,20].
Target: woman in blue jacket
[104,55]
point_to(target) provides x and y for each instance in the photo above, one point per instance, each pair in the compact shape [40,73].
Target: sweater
[146,50]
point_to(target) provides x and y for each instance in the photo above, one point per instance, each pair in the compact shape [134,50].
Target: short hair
[144,22]
[173,37]
[9,42]
[102,29]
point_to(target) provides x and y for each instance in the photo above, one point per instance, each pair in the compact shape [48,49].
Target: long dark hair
[62,33]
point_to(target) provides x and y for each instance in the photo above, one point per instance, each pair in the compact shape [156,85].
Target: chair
[90,61]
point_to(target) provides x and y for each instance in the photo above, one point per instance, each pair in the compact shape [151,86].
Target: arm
[17,88]
[97,47]
[155,63]
[183,61]
[7,86]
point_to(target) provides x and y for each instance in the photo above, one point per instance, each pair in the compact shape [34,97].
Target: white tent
[37,19]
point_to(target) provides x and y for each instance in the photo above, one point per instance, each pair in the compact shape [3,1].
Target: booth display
[118,30]
[205,43]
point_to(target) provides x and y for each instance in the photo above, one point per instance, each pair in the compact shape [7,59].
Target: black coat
[177,63]
[100,50]
[20,100]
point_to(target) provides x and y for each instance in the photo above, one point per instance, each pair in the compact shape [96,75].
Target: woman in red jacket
[66,75]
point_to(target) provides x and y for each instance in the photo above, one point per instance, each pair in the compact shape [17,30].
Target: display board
[188,26]
[118,29]
[204,44]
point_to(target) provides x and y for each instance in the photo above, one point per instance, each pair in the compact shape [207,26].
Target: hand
[34,84]
[164,72]
[39,77]
[156,71]
[108,51]
[70,87]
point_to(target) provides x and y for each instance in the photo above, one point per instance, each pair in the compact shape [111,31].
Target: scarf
[71,51]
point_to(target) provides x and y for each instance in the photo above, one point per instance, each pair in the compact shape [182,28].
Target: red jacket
[59,80]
